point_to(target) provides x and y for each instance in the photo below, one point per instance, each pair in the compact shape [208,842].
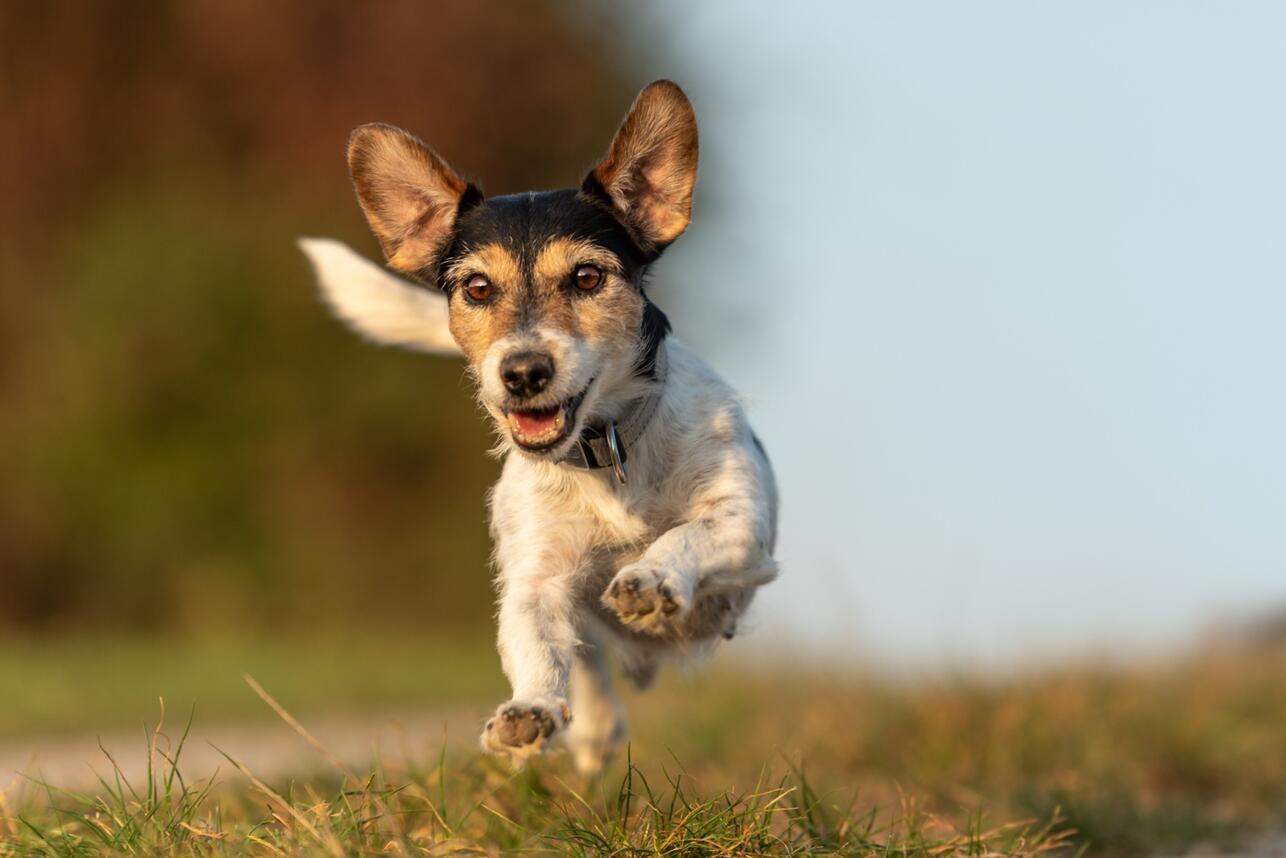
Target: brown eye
[478,289]
[588,277]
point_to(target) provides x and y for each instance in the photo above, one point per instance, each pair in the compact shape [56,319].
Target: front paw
[646,599]
[521,730]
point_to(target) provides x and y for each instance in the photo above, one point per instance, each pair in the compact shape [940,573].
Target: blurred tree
[187,440]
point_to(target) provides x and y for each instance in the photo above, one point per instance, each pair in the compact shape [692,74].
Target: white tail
[378,305]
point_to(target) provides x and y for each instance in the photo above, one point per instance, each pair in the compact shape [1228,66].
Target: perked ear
[409,194]
[651,167]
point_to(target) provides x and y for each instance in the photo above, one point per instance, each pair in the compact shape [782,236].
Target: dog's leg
[537,639]
[724,550]
[599,726]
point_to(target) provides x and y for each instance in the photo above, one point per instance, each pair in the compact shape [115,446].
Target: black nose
[526,373]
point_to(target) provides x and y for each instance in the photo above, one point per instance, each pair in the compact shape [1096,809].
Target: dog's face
[544,289]
[544,302]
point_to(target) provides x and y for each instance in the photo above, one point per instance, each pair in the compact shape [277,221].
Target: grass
[1111,760]
[479,808]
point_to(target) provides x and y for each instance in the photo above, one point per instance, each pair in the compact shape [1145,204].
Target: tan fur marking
[610,316]
[475,328]
[561,256]
[492,260]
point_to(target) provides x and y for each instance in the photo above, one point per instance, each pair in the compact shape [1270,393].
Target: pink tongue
[536,422]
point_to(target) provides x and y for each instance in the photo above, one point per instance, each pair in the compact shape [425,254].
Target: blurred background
[1004,287]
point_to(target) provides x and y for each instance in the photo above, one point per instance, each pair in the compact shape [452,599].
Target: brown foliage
[187,438]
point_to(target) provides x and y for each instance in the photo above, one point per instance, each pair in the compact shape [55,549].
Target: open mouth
[539,429]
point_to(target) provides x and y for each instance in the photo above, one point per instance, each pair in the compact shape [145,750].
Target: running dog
[636,510]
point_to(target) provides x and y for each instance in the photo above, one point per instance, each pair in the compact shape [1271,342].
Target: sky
[1005,287]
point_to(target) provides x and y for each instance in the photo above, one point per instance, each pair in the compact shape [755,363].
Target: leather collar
[607,445]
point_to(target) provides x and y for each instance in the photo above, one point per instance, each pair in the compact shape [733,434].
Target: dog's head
[544,289]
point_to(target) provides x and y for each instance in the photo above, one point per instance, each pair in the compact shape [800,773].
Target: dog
[636,510]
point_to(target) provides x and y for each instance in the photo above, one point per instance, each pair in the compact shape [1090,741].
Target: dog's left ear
[651,167]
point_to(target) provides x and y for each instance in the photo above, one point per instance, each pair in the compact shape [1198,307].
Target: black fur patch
[655,329]
[524,223]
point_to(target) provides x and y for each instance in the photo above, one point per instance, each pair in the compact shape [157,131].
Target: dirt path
[271,750]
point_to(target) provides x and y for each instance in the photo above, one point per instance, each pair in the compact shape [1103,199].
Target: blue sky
[1005,284]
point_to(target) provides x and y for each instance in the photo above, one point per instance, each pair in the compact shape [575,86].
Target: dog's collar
[607,445]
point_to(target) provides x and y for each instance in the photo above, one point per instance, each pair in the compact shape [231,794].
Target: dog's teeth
[535,428]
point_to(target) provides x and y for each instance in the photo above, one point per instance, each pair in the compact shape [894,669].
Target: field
[204,476]
[1151,760]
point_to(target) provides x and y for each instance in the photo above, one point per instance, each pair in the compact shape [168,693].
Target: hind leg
[714,615]
[597,728]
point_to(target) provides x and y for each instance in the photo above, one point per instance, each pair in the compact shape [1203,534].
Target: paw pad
[519,730]
[642,600]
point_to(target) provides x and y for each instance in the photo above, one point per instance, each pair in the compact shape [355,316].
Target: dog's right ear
[410,196]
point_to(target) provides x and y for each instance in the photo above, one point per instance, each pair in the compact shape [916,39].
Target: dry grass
[1137,760]
[479,808]
[1113,761]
